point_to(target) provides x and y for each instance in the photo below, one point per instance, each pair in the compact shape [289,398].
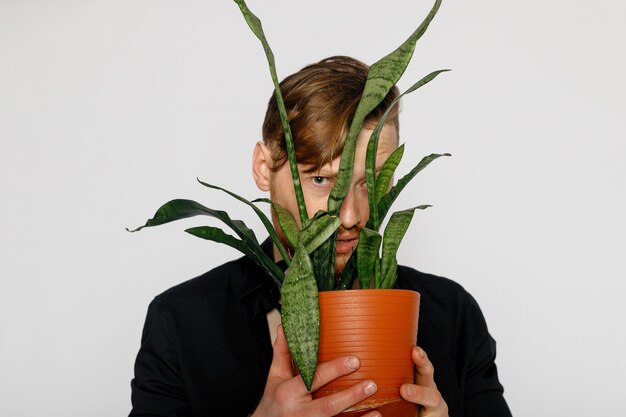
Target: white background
[110,108]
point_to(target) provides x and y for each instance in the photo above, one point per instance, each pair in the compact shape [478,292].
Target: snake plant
[312,266]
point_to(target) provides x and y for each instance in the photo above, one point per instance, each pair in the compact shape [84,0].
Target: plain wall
[110,108]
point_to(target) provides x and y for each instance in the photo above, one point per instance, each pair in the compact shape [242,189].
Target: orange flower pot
[380,328]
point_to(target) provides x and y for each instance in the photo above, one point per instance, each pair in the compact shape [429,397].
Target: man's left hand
[424,392]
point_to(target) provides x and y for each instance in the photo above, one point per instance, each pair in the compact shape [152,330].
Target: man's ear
[261,166]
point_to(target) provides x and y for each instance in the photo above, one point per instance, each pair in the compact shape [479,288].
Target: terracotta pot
[380,328]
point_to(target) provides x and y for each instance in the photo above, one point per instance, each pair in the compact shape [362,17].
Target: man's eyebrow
[326,173]
[325,170]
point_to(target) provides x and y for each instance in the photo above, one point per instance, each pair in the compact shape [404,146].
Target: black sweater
[206,351]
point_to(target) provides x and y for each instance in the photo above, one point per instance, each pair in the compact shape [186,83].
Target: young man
[212,345]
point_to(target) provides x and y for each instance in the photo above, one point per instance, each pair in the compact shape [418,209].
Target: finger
[281,361]
[333,369]
[430,398]
[334,404]
[425,372]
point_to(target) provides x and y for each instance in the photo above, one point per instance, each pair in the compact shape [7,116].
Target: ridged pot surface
[380,328]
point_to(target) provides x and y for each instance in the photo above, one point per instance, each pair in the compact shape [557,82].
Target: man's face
[316,187]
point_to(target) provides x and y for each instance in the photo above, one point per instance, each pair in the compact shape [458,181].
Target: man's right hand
[286,395]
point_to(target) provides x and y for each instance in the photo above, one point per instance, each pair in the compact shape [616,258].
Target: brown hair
[321,100]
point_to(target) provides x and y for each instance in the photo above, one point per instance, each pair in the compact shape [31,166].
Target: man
[212,346]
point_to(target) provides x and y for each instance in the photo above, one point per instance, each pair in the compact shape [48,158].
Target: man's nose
[353,211]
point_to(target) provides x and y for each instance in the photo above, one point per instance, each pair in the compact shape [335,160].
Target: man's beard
[341,259]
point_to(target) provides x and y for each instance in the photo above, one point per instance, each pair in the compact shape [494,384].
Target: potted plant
[310,274]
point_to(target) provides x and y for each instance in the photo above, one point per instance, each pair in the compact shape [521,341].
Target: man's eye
[320,180]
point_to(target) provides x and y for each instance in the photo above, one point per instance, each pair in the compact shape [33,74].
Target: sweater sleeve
[157,389]
[483,391]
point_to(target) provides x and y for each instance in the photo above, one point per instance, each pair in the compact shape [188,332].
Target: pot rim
[379,292]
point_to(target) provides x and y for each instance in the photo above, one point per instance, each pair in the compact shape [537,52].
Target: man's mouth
[346,244]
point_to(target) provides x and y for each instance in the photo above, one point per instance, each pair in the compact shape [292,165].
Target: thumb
[281,362]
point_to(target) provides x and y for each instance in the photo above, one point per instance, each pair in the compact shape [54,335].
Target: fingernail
[409,389]
[420,352]
[370,388]
[353,362]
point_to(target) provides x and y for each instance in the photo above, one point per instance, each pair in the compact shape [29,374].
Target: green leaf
[394,232]
[381,78]
[266,222]
[390,274]
[323,259]
[318,231]
[387,200]
[386,172]
[287,223]
[300,313]
[216,234]
[368,262]
[255,25]
[348,275]
[182,209]
[174,210]
[372,146]
[423,81]
[318,238]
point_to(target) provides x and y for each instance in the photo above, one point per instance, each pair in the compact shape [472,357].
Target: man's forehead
[388,141]
[332,168]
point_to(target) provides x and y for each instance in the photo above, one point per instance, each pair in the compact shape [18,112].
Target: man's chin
[340,262]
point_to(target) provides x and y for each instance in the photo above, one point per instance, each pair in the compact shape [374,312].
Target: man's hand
[285,393]
[424,392]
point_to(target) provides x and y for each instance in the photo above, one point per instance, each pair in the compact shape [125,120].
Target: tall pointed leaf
[387,200]
[174,210]
[266,222]
[287,223]
[324,258]
[367,257]
[319,231]
[386,172]
[316,230]
[348,275]
[260,258]
[300,313]
[389,276]
[382,76]
[394,232]
[181,209]
[255,25]
[372,147]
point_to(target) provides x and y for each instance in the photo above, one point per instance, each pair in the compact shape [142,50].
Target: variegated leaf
[368,260]
[300,313]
